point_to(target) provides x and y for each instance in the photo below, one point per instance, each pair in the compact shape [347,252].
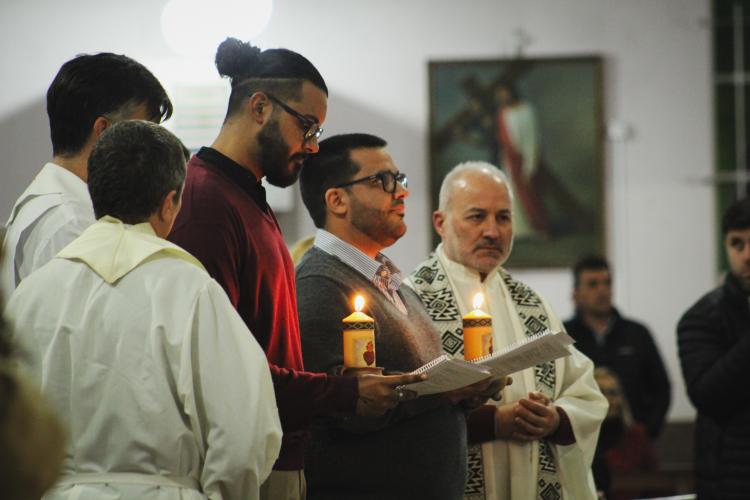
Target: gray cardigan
[417,450]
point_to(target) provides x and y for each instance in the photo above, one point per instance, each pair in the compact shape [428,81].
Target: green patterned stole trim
[360,325]
[473,323]
[534,319]
[433,288]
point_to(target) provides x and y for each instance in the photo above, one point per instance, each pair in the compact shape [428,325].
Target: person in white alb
[89,93]
[164,391]
[539,441]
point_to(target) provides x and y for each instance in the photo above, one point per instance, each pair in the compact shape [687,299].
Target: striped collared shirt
[381,271]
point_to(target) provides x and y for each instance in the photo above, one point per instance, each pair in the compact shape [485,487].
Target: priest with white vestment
[538,442]
[164,391]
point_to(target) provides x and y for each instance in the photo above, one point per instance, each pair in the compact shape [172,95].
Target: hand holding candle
[359,338]
[477,331]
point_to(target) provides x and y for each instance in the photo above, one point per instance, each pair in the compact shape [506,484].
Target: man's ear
[337,201]
[438,219]
[164,216]
[259,107]
[100,125]
[170,207]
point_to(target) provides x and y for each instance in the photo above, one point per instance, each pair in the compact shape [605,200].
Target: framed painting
[540,121]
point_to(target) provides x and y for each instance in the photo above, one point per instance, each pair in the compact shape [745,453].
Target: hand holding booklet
[446,373]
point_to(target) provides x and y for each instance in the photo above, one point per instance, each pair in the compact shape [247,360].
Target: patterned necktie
[383,282]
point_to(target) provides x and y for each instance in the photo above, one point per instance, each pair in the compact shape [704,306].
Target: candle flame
[359,303]
[478,300]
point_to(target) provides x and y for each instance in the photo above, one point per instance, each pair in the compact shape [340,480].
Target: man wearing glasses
[276,108]
[355,195]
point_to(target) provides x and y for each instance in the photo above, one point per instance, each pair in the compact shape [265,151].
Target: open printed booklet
[446,373]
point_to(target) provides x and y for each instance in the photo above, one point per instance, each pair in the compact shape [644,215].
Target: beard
[274,156]
[385,228]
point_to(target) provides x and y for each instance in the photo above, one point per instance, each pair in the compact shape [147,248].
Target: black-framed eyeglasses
[389,181]
[310,126]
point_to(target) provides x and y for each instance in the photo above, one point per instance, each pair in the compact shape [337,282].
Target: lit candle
[359,337]
[477,331]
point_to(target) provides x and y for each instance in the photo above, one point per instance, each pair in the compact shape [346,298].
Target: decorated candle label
[487,343]
[367,348]
[477,326]
[359,338]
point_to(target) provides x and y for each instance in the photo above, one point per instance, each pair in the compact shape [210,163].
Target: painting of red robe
[540,121]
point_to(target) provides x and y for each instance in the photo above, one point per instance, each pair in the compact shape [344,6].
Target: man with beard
[355,195]
[540,442]
[713,339]
[276,108]
[623,345]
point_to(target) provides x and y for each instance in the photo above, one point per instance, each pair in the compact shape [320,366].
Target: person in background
[624,445]
[623,345]
[300,248]
[713,340]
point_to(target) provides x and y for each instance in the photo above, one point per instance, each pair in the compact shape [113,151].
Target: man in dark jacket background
[714,347]
[624,346]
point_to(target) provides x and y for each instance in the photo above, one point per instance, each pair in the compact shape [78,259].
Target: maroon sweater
[226,223]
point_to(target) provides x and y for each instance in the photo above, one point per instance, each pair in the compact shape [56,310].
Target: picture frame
[541,121]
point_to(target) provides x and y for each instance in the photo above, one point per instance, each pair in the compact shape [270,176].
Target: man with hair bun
[88,94]
[276,108]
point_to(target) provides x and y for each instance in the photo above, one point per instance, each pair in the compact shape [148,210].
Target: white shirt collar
[54,179]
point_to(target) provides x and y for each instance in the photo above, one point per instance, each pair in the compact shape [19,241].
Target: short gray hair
[482,167]
[132,167]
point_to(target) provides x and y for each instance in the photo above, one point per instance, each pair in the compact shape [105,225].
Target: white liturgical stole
[112,249]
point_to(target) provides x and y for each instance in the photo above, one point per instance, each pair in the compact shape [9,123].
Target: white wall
[374,56]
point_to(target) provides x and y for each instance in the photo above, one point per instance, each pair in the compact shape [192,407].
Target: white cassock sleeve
[52,234]
[226,389]
[579,396]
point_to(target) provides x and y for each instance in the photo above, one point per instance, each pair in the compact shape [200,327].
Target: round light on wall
[194,28]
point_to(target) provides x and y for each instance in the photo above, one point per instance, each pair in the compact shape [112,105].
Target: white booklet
[446,373]
[531,351]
